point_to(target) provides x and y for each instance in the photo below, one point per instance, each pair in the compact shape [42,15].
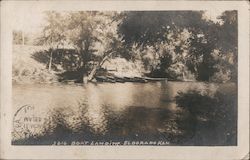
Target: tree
[19,37]
[80,32]
[53,33]
[108,39]
[94,35]
[159,29]
[166,33]
[168,42]
[228,43]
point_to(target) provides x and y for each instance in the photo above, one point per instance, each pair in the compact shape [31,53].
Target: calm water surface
[102,111]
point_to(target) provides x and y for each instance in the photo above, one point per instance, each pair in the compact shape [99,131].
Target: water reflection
[105,111]
[95,114]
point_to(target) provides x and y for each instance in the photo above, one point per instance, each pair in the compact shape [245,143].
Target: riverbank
[26,69]
[30,66]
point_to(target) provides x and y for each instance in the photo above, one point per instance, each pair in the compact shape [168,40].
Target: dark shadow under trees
[211,119]
[66,62]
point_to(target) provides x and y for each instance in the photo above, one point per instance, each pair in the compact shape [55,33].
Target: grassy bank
[25,69]
[30,65]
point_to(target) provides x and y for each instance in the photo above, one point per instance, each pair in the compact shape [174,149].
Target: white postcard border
[124,152]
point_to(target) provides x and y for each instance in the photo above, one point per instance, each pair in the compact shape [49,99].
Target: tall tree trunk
[50,59]
[51,56]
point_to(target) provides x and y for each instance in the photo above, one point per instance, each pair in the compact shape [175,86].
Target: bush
[210,115]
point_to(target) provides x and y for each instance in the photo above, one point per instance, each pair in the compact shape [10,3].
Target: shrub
[210,115]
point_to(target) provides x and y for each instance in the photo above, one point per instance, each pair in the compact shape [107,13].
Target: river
[102,111]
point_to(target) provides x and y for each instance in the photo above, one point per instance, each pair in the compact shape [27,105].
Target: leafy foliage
[168,43]
[196,52]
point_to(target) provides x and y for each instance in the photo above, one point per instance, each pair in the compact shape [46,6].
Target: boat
[114,79]
[155,79]
[104,79]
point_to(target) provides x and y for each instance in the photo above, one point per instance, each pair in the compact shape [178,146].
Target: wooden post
[50,59]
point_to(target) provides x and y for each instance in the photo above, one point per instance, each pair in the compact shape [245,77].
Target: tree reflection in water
[210,119]
[189,116]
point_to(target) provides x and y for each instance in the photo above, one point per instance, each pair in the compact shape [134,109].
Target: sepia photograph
[126,78]
[159,77]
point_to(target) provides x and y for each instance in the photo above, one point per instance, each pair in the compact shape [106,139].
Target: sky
[213,14]
[31,20]
[28,20]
